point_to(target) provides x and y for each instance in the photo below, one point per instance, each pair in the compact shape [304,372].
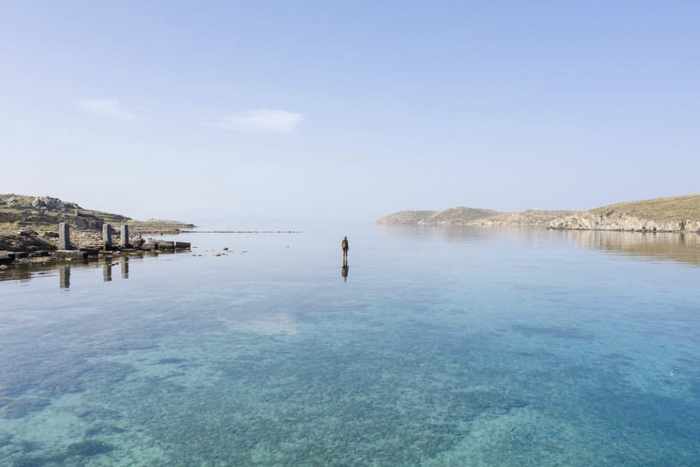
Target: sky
[289,111]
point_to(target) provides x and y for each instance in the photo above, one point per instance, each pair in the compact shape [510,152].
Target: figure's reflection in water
[64,277]
[107,271]
[124,264]
[344,271]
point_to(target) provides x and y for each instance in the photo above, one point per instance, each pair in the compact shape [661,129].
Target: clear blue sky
[293,110]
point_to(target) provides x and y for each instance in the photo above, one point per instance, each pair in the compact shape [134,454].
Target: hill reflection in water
[682,248]
[645,246]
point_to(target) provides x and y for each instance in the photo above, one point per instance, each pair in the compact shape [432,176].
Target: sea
[434,347]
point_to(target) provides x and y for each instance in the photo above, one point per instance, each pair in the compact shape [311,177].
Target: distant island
[30,223]
[675,214]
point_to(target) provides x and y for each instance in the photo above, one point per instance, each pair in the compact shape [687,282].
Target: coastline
[679,214]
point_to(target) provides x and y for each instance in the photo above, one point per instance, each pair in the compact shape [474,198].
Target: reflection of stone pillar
[107,236]
[124,239]
[64,236]
[124,263]
[64,277]
[107,271]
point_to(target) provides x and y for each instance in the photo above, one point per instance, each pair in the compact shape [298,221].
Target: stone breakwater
[621,222]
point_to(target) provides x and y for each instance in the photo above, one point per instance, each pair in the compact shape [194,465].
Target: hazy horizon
[347,112]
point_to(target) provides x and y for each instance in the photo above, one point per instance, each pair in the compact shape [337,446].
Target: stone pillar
[124,239]
[107,236]
[64,236]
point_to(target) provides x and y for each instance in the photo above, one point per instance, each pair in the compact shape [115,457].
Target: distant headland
[675,214]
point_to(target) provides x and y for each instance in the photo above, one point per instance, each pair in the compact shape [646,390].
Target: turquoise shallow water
[442,348]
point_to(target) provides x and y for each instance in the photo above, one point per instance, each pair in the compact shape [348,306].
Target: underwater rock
[171,361]
[5,439]
[104,430]
[22,407]
[89,448]
[551,331]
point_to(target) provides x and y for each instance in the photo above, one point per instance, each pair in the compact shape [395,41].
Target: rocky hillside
[407,218]
[473,217]
[43,214]
[677,214]
[452,216]
[529,218]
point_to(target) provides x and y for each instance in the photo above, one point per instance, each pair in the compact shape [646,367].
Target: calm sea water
[439,348]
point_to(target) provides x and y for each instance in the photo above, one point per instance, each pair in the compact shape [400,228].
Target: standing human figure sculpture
[345,246]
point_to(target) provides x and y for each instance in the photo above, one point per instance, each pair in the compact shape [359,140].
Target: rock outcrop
[678,214]
[622,222]
[25,241]
[47,202]
[530,218]
[44,213]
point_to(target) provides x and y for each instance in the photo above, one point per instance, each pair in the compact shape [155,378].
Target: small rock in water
[89,448]
[6,259]
[27,233]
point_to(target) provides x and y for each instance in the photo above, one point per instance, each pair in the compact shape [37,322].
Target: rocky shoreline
[30,232]
[38,252]
[622,222]
[27,248]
